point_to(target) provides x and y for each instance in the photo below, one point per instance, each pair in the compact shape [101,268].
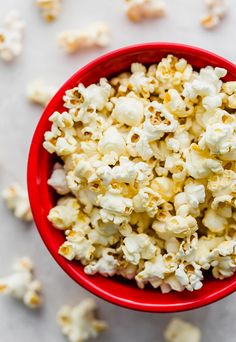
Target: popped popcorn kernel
[16,199]
[50,9]
[147,175]
[22,285]
[11,36]
[79,323]
[137,10]
[178,330]
[40,93]
[217,9]
[97,34]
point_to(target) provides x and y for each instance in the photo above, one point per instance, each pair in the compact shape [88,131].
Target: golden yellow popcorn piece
[78,323]
[50,9]
[21,284]
[16,199]
[141,9]
[178,330]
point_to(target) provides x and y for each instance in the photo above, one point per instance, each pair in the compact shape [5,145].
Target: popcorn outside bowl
[42,197]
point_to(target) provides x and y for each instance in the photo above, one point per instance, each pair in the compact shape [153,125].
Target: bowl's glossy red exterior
[121,292]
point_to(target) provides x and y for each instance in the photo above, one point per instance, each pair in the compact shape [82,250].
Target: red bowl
[42,199]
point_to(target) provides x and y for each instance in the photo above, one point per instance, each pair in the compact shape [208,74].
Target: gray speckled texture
[42,58]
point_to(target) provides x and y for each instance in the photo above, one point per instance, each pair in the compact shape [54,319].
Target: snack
[50,9]
[181,331]
[11,36]
[16,199]
[78,323]
[21,284]
[148,175]
[96,34]
[40,93]
[137,10]
[216,11]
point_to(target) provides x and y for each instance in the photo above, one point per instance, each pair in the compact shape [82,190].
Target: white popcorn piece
[138,246]
[64,215]
[217,9]
[77,247]
[16,199]
[97,34]
[11,36]
[188,202]
[189,275]
[128,111]
[50,9]
[178,330]
[40,93]
[79,323]
[137,10]
[199,164]
[214,222]
[147,201]
[106,265]
[158,121]
[138,144]
[219,138]
[181,227]
[22,285]
[112,141]
[58,180]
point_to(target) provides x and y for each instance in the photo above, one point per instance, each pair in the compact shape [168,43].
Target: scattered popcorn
[16,199]
[50,9]
[11,36]
[96,34]
[137,10]
[147,176]
[40,93]
[79,323]
[217,9]
[21,284]
[178,330]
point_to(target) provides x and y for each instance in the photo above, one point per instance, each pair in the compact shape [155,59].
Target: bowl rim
[33,185]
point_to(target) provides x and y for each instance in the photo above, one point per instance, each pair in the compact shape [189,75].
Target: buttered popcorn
[50,9]
[137,10]
[79,323]
[40,93]
[178,330]
[11,36]
[147,175]
[21,284]
[96,34]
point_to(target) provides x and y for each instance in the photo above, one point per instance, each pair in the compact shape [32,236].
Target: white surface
[43,59]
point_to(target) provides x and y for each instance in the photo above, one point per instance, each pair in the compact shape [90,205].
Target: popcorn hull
[42,198]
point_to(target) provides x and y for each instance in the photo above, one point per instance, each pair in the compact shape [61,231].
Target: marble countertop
[42,58]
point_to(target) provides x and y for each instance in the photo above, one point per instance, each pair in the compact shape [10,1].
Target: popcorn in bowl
[144,175]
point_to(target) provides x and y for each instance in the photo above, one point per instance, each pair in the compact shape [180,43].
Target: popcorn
[78,323]
[40,93]
[106,265]
[148,169]
[219,139]
[199,165]
[64,216]
[50,9]
[178,330]
[112,141]
[58,180]
[138,246]
[97,34]
[16,199]
[11,36]
[217,9]
[128,111]
[158,121]
[147,201]
[21,284]
[137,10]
